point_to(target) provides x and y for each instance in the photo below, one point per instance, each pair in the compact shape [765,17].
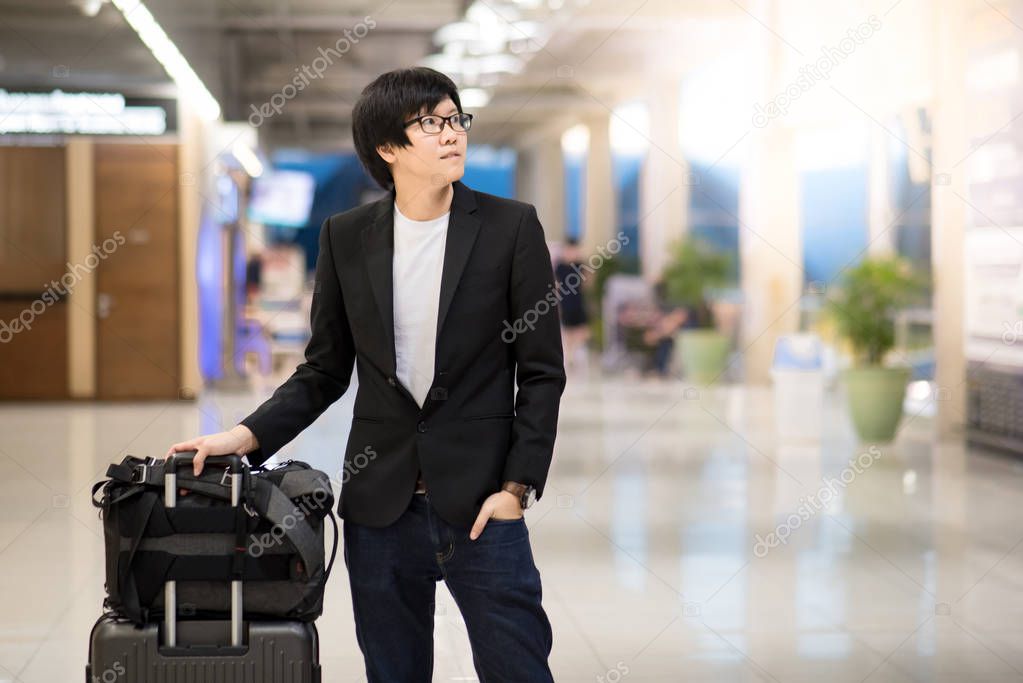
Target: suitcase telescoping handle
[236,469]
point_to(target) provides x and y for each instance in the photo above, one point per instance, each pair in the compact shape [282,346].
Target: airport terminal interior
[789,281]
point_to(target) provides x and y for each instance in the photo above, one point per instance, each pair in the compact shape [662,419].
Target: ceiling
[594,54]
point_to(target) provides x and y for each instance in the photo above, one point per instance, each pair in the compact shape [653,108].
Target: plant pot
[703,354]
[875,398]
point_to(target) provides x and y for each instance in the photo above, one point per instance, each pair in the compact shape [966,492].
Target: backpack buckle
[139,473]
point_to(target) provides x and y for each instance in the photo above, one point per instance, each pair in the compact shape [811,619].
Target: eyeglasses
[431,124]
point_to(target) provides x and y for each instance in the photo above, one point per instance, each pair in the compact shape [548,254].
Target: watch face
[529,497]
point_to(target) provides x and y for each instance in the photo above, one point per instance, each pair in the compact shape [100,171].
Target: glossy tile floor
[658,541]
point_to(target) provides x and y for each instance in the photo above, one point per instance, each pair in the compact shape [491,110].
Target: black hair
[383,107]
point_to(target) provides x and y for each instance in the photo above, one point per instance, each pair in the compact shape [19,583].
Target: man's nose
[447,134]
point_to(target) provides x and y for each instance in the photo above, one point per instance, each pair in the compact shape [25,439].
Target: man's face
[434,157]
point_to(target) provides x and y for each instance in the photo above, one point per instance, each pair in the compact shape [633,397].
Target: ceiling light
[457,31]
[474,98]
[166,52]
[483,13]
[90,8]
[248,159]
[445,63]
[501,63]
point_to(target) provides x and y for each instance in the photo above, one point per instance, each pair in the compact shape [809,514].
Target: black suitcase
[203,651]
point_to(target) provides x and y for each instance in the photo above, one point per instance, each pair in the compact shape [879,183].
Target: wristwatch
[524,492]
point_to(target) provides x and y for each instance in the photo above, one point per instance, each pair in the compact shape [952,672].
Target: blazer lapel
[378,246]
[463,226]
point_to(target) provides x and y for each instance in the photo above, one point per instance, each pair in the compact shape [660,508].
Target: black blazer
[497,326]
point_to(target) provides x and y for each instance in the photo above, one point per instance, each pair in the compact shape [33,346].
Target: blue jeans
[393,572]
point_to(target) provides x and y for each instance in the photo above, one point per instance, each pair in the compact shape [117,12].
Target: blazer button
[390,380]
[421,428]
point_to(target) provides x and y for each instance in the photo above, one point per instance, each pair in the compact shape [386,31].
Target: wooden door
[33,251]
[137,328]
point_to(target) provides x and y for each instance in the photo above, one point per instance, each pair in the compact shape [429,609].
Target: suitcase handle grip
[232,462]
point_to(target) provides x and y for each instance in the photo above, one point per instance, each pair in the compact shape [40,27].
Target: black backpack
[273,540]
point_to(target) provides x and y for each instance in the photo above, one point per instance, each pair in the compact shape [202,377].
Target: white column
[600,207]
[550,204]
[525,171]
[664,194]
[540,176]
[948,214]
[770,240]
[880,214]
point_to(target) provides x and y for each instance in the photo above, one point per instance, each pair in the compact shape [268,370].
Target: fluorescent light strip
[166,52]
[248,159]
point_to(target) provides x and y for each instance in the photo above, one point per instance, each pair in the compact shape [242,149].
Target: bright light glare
[575,141]
[1000,70]
[630,129]
[167,53]
[820,148]
[474,98]
[716,110]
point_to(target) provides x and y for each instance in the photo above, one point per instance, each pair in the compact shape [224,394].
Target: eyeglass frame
[444,120]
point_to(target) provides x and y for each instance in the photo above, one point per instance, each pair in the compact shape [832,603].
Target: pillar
[599,217]
[948,215]
[664,194]
[770,244]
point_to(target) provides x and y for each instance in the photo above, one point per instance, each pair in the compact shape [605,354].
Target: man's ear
[386,153]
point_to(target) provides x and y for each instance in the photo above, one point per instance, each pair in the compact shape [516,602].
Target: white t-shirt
[418,263]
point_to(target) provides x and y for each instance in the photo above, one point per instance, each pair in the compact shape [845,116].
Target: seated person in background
[660,337]
[649,329]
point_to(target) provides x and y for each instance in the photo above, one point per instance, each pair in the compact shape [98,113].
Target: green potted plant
[694,269]
[863,309]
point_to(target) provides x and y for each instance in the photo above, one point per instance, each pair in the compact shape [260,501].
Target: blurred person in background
[436,291]
[575,328]
[661,331]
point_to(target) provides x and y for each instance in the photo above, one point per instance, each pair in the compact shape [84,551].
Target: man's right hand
[239,441]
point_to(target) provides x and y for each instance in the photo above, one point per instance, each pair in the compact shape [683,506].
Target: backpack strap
[126,581]
[271,503]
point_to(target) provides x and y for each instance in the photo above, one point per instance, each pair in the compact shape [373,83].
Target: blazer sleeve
[540,366]
[325,374]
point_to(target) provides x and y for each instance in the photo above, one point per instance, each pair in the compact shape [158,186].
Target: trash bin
[798,374]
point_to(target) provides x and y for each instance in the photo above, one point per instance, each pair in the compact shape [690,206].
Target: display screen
[282,198]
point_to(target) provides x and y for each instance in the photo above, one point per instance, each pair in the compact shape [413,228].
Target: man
[442,297]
